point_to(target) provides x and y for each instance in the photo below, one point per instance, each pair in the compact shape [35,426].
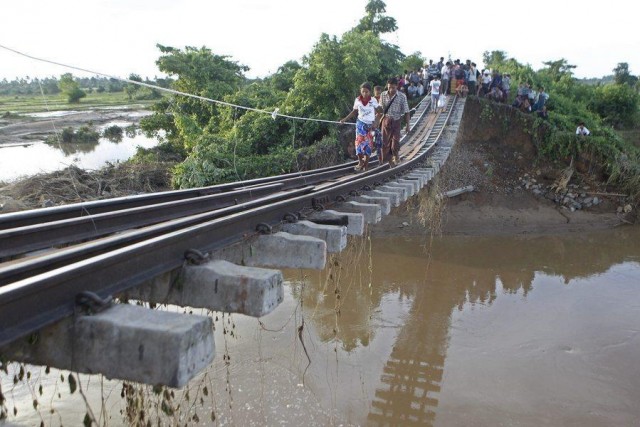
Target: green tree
[494,59]
[375,20]
[326,86]
[617,104]
[556,70]
[70,88]
[415,61]
[131,89]
[621,75]
[282,80]
[200,72]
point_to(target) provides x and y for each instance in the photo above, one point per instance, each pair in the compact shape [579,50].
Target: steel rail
[19,240]
[75,210]
[109,218]
[12,272]
[31,303]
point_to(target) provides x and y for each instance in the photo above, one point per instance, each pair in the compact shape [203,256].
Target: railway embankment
[516,189]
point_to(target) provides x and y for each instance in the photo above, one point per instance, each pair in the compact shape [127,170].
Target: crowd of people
[379,115]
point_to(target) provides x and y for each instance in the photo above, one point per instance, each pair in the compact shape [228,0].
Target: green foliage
[85,134]
[617,104]
[138,92]
[282,80]
[622,75]
[215,160]
[415,61]
[558,69]
[224,143]
[390,63]
[113,133]
[326,87]
[494,59]
[163,152]
[199,72]
[375,20]
[70,88]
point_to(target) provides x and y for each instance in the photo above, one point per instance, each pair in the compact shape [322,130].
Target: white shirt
[582,131]
[472,74]
[366,113]
[445,72]
[435,87]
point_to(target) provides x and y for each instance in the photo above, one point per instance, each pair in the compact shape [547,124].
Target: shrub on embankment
[603,153]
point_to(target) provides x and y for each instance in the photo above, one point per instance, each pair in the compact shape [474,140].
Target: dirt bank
[512,194]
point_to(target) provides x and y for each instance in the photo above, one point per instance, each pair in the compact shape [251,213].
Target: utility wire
[274,114]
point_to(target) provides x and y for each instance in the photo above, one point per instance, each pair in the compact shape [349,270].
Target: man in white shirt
[581,130]
[435,92]
[445,74]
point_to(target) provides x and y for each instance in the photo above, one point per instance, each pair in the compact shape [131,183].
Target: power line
[274,114]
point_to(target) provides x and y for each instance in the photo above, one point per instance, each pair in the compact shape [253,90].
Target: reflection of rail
[154,231]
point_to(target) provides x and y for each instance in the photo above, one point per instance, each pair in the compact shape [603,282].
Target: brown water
[456,331]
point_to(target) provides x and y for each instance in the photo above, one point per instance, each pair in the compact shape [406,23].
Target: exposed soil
[501,170]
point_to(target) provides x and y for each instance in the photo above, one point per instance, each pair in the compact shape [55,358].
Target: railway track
[109,246]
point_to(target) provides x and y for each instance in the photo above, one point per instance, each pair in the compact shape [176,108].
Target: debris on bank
[74,185]
[458,191]
[575,197]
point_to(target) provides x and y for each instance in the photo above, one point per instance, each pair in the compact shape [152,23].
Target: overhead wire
[274,114]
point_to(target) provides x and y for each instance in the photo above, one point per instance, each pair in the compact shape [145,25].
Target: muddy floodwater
[450,331]
[22,158]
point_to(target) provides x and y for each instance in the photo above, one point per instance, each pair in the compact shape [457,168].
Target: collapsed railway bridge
[217,248]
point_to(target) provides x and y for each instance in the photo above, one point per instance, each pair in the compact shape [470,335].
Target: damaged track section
[222,258]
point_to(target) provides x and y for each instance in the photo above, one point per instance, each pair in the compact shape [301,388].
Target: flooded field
[24,157]
[528,331]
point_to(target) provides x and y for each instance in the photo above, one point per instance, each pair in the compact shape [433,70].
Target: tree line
[222,144]
[73,87]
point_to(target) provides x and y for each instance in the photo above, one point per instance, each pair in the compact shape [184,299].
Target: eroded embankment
[496,151]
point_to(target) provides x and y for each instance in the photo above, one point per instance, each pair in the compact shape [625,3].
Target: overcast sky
[119,37]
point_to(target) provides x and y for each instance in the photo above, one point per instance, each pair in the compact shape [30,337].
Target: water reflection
[413,332]
[437,280]
[39,157]
[70,148]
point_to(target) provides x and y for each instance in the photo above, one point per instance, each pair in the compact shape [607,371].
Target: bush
[213,161]
[113,133]
[84,134]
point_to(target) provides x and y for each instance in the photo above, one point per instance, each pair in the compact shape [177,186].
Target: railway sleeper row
[134,343]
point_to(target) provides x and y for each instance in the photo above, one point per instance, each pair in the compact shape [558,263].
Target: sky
[119,37]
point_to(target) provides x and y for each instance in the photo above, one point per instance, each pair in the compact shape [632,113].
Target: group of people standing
[379,120]
[380,113]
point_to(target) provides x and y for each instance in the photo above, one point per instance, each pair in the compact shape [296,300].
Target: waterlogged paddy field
[455,331]
[23,159]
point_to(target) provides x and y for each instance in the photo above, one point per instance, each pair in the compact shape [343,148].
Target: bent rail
[39,291]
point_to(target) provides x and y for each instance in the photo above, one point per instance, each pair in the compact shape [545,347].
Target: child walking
[365,107]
